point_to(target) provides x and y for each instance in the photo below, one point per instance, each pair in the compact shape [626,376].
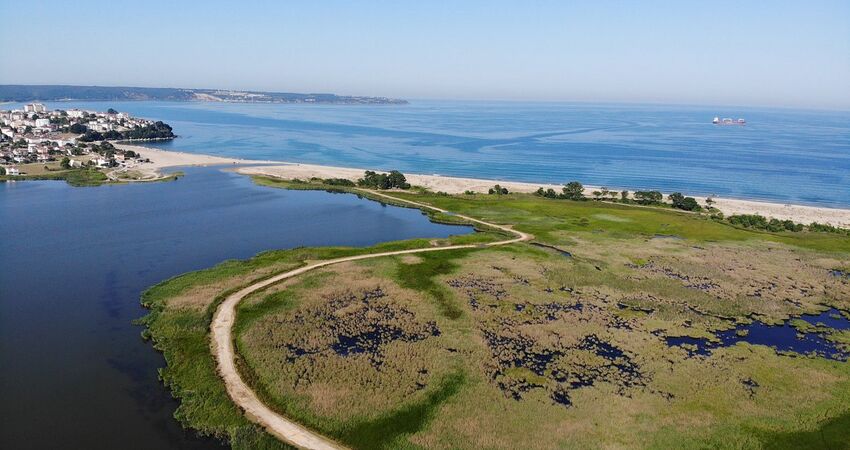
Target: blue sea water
[780,155]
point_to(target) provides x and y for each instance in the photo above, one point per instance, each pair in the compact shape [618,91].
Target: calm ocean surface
[780,155]
[74,371]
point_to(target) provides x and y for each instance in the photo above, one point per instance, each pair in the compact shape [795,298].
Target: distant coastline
[27,93]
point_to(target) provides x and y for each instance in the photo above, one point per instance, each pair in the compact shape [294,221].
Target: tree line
[575,191]
[156,130]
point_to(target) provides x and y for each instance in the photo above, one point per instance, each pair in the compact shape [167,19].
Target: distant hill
[26,93]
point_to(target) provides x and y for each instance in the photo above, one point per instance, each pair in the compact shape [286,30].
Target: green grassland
[522,346]
[74,177]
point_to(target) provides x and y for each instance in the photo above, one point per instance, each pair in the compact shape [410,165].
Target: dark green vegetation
[498,190]
[648,197]
[373,180]
[420,277]
[679,201]
[522,346]
[26,93]
[156,130]
[762,223]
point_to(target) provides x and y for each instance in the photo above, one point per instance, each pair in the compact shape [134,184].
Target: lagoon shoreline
[161,159]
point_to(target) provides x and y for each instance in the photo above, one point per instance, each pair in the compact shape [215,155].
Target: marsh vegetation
[635,340]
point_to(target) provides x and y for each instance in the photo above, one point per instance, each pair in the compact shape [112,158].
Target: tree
[111,111]
[676,199]
[90,136]
[573,191]
[679,201]
[690,204]
[498,190]
[624,196]
[66,163]
[77,128]
[383,181]
[2,171]
[398,180]
[708,202]
[648,197]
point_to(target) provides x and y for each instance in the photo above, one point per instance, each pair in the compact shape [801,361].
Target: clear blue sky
[787,53]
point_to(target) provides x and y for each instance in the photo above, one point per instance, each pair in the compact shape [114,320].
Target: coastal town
[35,141]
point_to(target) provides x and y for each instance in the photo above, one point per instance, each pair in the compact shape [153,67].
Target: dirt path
[221,329]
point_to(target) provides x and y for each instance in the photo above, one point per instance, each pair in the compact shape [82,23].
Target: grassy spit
[458,387]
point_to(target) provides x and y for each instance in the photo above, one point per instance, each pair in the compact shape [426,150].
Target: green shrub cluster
[498,190]
[571,191]
[759,222]
[679,201]
[374,180]
[648,197]
[157,130]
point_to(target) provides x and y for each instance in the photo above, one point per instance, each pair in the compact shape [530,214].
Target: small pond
[783,338]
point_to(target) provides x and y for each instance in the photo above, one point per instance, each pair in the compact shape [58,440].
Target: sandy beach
[455,185]
[161,159]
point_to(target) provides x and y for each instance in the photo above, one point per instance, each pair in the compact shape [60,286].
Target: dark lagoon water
[73,262]
[783,338]
[780,155]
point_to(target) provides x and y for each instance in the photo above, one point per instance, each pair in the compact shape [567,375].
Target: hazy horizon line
[439,98]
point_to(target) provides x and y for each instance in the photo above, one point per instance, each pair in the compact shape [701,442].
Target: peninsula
[161,159]
[642,327]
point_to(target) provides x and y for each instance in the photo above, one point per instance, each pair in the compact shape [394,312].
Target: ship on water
[728,121]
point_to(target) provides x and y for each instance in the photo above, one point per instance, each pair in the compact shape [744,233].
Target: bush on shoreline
[679,201]
[498,190]
[374,180]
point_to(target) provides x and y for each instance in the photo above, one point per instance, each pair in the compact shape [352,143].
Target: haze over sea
[781,155]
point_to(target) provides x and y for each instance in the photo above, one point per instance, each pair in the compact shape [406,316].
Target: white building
[76,113]
[35,107]
[12,171]
[42,123]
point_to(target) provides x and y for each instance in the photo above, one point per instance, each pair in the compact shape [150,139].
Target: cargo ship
[728,121]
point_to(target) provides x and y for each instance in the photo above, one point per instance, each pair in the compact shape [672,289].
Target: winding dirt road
[225,317]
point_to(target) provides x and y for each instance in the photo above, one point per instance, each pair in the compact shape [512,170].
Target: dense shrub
[374,180]
[338,182]
[547,193]
[498,190]
[759,222]
[648,197]
[679,201]
[573,191]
